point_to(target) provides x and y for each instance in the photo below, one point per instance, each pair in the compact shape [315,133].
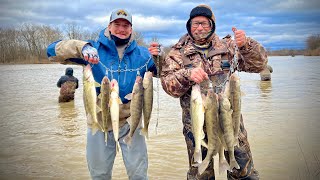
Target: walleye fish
[223,164]
[147,101]
[235,100]
[114,103]
[211,121]
[90,98]
[105,110]
[197,121]
[227,128]
[135,108]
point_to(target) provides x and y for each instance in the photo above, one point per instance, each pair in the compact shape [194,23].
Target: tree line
[312,48]
[28,42]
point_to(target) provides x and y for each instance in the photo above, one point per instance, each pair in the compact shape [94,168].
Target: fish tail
[236,141]
[203,166]
[197,156]
[102,129]
[94,129]
[144,132]
[106,137]
[223,166]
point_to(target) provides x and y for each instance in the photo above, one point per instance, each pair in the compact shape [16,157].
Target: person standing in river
[265,74]
[201,53]
[117,52]
[68,85]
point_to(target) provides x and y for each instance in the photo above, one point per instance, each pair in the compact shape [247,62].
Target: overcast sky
[277,24]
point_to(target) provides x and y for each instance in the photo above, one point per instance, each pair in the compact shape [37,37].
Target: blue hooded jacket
[136,58]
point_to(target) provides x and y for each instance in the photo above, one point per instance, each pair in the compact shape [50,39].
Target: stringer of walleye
[229,116]
[138,74]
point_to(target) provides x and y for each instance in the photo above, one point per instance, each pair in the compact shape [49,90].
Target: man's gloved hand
[90,54]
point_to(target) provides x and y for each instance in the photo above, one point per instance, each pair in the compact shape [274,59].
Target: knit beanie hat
[201,10]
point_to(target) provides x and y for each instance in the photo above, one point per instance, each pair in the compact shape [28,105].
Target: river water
[42,139]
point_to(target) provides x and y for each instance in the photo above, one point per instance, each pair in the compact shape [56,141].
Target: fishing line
[233,66]
[125,69]
[158,93]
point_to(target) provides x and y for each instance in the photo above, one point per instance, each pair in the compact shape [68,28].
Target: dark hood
[69,71]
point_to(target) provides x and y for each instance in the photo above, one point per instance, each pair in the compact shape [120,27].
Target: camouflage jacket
[183,56]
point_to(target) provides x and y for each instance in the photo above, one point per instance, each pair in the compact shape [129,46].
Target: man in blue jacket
[117,55]
[68,85]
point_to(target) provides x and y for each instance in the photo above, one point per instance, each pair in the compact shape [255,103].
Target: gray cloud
[275,24]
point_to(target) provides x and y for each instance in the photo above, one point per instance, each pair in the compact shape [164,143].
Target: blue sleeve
[151,65]
[51,50]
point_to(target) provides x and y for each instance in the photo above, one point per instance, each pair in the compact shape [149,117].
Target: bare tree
[32,36]
[313,42]
[87,35]
[50,34]
[8,46]
[73,31]
[138,36]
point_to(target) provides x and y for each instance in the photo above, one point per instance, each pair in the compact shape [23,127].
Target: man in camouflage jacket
[198,56]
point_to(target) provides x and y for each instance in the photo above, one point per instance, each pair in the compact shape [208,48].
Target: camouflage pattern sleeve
[253,57]
[174,77]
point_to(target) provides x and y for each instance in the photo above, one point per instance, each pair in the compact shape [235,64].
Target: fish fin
[98,109]
[197,156]
[110,101]
[204,144]
[127,140]
[106,137]
[96,84]
[119,101]
[203,109]
[129,120]
[223,166]
[145,85]
[94,129]
[102,129]
[203,97]
[89,118]
[144,132]
[118,149]
[242,93]
[203,166]
[100,96]
[233,164]
[202,134]
[128,96]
